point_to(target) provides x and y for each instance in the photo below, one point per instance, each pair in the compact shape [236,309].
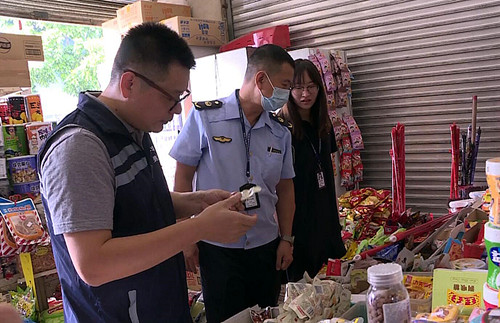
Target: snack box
[458,287]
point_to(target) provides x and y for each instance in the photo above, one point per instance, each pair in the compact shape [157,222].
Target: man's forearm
[185,204]
[285,208]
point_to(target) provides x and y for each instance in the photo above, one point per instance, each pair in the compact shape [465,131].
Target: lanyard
[246,138]
[318,160]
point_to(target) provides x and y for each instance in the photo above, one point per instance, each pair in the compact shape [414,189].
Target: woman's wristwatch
[287,238]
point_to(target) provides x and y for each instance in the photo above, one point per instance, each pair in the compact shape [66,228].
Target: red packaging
[346,170]
[4,111]
[278,35]
[334,267]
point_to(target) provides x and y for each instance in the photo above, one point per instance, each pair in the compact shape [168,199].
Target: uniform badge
[280,120]
[204,105]
[222,139]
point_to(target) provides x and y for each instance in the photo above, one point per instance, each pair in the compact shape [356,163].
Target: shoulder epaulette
[203,105]
[280,120]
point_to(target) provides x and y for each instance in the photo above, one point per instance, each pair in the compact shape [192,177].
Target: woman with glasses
[316,224]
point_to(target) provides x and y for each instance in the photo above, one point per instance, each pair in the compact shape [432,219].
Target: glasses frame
[313,86]
[160,89]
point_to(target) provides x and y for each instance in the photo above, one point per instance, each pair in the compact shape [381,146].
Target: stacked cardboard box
[15,52]
[197,31]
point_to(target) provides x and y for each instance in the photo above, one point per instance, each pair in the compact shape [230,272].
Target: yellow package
[419,287]
[351,251]
[447,313]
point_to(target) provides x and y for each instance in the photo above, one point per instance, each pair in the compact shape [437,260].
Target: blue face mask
[277,100]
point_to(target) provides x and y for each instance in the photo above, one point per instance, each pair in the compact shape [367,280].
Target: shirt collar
[135,133]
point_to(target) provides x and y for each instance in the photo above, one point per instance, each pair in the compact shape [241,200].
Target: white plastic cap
[491,232]
[493,166]
[385,274]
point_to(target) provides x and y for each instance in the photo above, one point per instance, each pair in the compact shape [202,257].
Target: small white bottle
[387,300]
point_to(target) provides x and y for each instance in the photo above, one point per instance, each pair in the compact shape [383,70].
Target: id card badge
[321,179]
[253,201]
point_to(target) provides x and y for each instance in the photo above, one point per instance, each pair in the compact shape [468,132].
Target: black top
[316,224]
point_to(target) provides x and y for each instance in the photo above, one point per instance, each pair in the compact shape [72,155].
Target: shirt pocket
[272,165]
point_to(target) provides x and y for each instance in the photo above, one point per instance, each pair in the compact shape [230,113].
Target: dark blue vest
[142,204]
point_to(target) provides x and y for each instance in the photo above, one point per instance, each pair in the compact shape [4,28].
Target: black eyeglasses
[162,91]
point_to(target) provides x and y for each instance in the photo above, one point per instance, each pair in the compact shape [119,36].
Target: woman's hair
[319,111]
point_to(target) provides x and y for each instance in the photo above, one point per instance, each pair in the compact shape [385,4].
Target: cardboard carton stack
[197,31]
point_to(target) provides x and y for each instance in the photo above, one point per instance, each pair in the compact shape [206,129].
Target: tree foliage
[72,54]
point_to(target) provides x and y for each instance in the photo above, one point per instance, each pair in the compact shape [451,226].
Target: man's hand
[191,258]
[220,222]
[284,255]
[213,196]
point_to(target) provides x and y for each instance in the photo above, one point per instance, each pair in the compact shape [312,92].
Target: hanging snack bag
[8,246]
[346,170]
[352,126]
[24,224]
[357,166]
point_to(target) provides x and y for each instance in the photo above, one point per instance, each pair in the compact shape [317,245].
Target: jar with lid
[387,300]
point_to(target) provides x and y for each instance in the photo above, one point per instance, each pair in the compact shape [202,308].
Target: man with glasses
[111,217]
[235,143]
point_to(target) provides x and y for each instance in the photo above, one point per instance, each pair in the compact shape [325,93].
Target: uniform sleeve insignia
[222,139]
[280,120]
[204,105]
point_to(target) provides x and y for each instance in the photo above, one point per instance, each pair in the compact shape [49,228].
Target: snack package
[454,249]
[24,224]
[419,287]
[37,133]
[357,166]
[346,139]
[24,302]
[389,253]
[33,107]
[259,316]
[17,110]
[347,179]
[447,313]
[42,259]
[8,245]
[355,133]
[326,72]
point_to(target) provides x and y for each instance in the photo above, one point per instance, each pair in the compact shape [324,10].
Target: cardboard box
[199,32]
[147,11]
[14,73]
[21,47]
[111,24]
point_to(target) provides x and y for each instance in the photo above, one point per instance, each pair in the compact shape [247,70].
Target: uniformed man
[109,212]
[234,144]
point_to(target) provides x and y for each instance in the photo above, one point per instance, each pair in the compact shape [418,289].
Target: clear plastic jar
[387,300]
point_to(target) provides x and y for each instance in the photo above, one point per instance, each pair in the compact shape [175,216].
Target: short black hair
[150,48]
[269,58]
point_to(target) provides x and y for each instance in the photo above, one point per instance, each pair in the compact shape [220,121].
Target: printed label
[397,312]
[495,255]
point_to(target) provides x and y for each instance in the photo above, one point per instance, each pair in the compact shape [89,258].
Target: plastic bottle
[493,179]
[387,299]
